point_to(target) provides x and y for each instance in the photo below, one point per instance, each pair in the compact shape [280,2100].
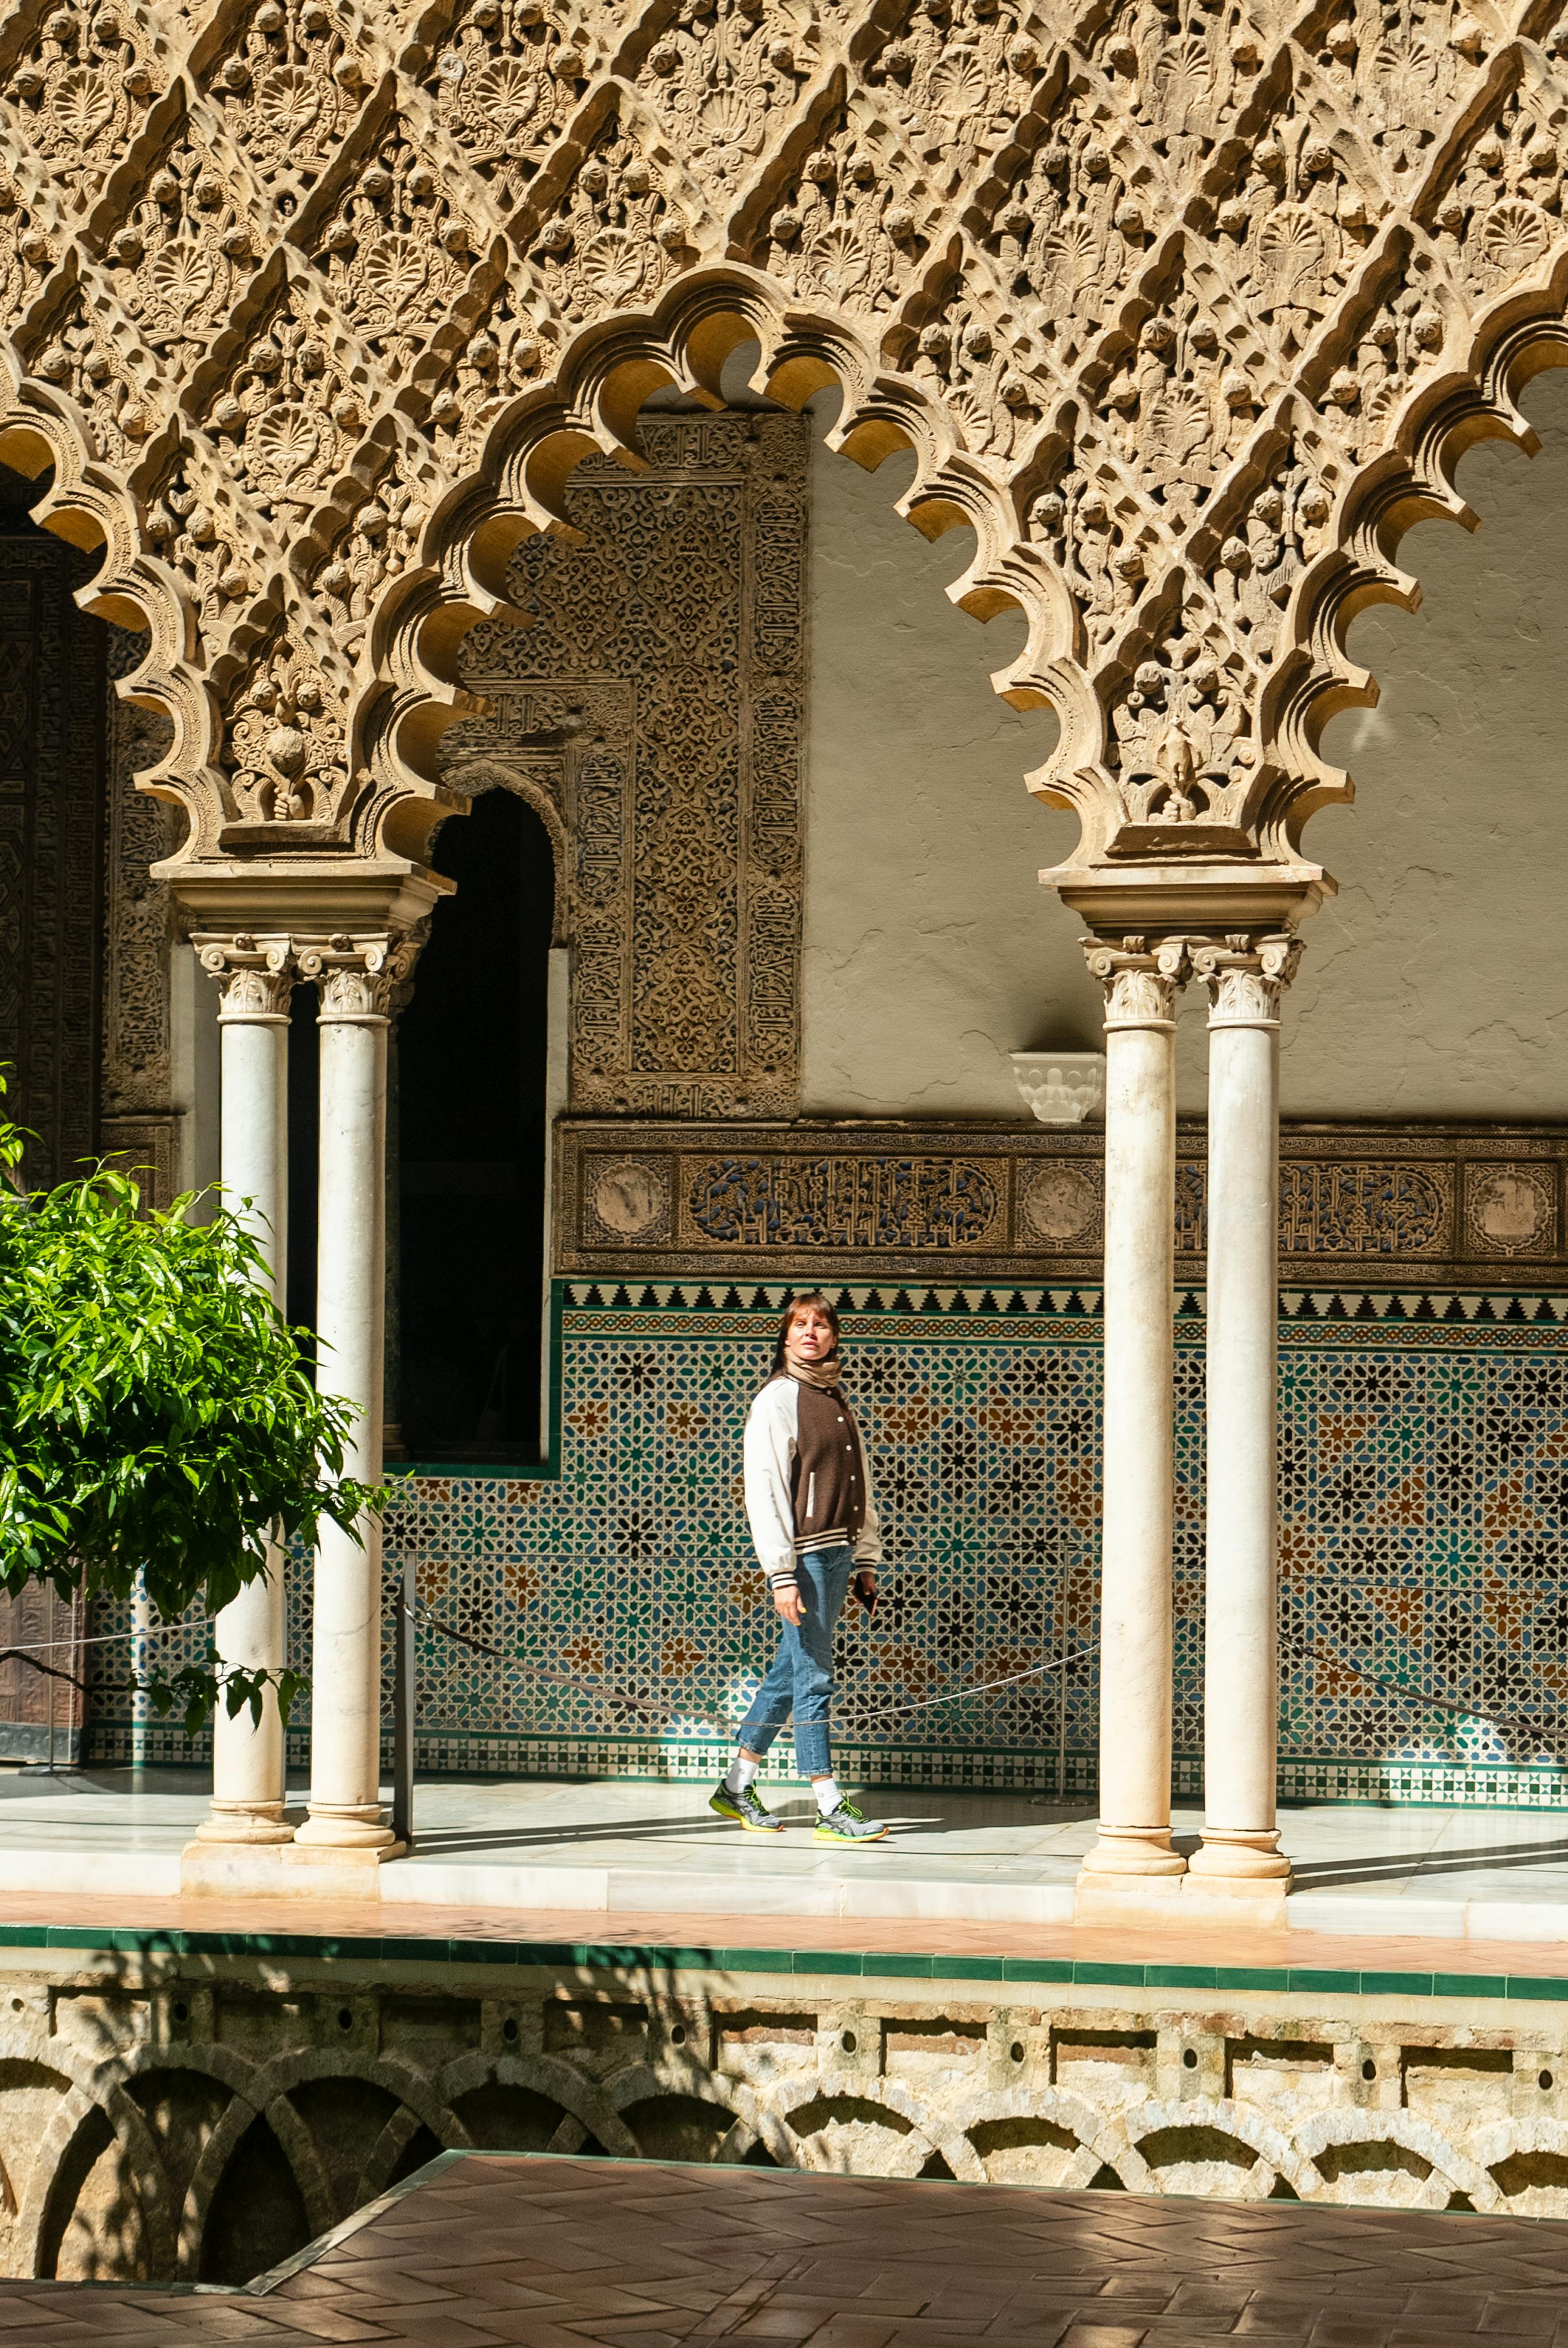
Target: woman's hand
[790,1604]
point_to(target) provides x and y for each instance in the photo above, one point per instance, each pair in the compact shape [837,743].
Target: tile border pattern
[633,1956]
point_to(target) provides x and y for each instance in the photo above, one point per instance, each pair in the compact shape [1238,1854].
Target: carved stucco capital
[1245,976]
[1140,981]
[360,978]
[255,976]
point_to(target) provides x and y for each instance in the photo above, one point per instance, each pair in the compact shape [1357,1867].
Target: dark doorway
[54,700]
[471,1119]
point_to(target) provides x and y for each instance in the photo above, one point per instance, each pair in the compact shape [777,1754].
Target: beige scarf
[824,1375]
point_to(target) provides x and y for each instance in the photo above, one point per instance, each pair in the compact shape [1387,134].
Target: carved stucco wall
[1186,310]
[653,713]
[931,951]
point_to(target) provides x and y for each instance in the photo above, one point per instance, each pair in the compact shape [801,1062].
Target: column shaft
[1241,1697]
[1137,1505]
[248,1760]
[345,1808]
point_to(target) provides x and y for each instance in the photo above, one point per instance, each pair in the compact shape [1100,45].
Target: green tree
[156,1417]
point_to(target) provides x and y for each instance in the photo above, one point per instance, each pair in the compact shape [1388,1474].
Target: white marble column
[358,978]
[1244,978]
[1137,1511]
[255,977]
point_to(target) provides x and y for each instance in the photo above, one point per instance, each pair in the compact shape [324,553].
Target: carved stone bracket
[1140,981]
[1245,977]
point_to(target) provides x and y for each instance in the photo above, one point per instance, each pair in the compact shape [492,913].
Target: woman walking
[813,1526]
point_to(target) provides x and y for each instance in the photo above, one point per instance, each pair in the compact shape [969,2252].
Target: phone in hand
[865,1595]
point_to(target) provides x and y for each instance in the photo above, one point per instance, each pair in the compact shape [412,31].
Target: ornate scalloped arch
[590,408]
[1410,479]
[92,505]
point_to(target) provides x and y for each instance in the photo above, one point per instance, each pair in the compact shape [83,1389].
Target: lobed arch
[409,694]
[1411,479]
[590,408]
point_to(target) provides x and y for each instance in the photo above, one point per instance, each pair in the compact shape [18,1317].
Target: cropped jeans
[800,1678]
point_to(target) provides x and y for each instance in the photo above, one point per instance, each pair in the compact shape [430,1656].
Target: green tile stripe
[868,1964]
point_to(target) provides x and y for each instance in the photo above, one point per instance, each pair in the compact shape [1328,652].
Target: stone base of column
[362,1827]
[1157,1902]
[1240,1860]
[282,1871]
[1135,1850]
[246,1823]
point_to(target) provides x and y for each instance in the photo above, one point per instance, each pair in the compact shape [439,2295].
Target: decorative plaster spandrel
[26,254]
[506,82]
[80,88]
[616,237]
[850,229]
[1068,239]
[957,78]
[287,412]
[986,377]
[510,349]
[285,735]
[1185,307]
[287,85]
[394,249]
[192,524]
[67,347]
[178,256]
[722,78]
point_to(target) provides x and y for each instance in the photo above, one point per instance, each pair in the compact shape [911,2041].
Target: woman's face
[810,1335]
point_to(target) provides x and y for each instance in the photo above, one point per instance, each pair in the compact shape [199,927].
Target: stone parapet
[294,2080]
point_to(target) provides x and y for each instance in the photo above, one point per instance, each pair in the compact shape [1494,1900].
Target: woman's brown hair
[824,1304]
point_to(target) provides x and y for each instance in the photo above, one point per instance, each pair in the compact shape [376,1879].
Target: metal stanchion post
[404,1699]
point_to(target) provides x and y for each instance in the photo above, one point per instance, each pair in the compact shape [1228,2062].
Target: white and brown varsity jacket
[806,1483]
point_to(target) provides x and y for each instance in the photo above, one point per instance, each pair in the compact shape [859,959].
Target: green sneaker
[847,1824]
[744,1809]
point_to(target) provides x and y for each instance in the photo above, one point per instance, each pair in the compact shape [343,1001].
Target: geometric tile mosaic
[1423,1503]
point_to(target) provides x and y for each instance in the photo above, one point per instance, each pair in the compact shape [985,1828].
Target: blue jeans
[800,1678]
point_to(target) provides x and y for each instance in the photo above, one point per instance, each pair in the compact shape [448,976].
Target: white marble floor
[630,1845]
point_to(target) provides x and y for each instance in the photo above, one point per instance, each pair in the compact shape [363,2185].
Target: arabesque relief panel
[655,704]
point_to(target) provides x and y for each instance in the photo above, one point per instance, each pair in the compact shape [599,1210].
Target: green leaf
[157,1420]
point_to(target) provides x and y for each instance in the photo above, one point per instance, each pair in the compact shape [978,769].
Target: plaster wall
[931,951]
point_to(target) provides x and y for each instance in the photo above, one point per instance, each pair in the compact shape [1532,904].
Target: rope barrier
[1467,1708]
[597,1688]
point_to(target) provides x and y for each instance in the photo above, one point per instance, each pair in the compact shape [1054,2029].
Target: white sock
[741,1773]
[828,1794]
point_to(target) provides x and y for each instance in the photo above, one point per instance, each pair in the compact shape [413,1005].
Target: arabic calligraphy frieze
[1021,1203]
[896,1205]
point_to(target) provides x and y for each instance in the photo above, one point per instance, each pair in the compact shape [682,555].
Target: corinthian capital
[1245,976]
[361,977]
[1140,981]
[255,976]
